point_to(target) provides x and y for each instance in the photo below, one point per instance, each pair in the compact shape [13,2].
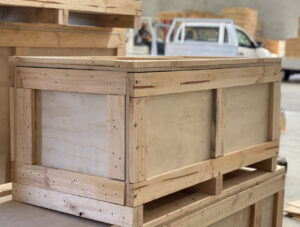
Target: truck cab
[205,37]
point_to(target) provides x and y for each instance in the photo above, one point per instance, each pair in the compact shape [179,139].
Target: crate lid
[141,64]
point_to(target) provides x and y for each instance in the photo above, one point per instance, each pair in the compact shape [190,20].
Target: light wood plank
[116,136]
[5,189]
[218,211]
[128,7]
[256,212]
[147,84]
[218,123]
[25,126]
[176,180]
[278,209]
[54,38]
[75,183]
[267,165]
[137,140]
[99,82]
[274,111]
[12,122]
[75,205]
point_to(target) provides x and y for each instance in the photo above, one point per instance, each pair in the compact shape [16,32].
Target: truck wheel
[286,75]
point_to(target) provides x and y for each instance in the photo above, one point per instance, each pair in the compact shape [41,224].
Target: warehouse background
[280,18]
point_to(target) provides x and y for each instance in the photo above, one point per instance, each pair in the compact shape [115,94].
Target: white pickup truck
[204,37]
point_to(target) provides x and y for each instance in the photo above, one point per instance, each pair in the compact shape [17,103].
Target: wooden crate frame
[129,83]
[117,13]
[42,39]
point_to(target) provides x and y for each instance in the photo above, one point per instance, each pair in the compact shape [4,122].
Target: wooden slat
[155,64]
[218,211]
[92,187]
[256,212]
[75,205]
[12,122]
[60,38]
[137,140]
[116,136]
[99,82]
[278,209]
[176,180]
[5,189]
[128,7]
[25,124]
[218,123]
[147,84]
[196,201]
[274,111]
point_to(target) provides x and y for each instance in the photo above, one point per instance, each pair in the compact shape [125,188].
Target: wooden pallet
[249,196]
[116,13]
[140,151]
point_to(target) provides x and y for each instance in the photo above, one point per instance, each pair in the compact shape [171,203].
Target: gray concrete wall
[280,17]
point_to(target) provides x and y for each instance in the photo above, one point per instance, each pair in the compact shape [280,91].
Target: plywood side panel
[267,211]
[239,219]
[178,130]
[71,131]
[246,118]
[5,52]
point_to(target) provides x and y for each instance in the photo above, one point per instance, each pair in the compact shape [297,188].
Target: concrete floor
[290,142]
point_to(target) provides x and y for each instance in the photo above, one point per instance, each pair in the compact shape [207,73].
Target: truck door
[246,46]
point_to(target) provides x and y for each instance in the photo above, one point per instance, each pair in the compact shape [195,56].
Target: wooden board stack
[149,141]
[60,28]
[243,17]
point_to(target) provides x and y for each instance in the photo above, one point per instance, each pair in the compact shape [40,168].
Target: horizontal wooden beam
[179,179]
[75,205]
[93,187]
[99,82]
[61,38]
[5,189]
[147,84]
[128,7]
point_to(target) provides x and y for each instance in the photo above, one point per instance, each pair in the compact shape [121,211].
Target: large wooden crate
[121,132]
[46,40]
[113,13]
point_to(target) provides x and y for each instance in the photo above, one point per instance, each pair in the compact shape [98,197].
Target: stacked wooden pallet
[292,47]
[60,28]
[243,17]
[149,142]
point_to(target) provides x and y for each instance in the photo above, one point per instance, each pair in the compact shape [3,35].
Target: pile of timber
[293,210]
[292,47]
[149,141]
[199,14]
[57,28]
[244,17]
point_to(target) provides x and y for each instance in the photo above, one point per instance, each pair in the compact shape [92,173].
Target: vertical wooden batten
[25,120]
[116,136]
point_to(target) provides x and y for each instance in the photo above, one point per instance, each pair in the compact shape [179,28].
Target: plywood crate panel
[116,13]
[292,48]
[152,126]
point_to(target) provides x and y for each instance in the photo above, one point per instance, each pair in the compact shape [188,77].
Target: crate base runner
[243,189]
